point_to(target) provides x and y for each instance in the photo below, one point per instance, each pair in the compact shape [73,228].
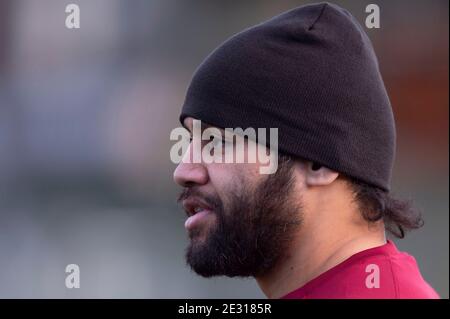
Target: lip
[191,204]
[196,210]
[197,219]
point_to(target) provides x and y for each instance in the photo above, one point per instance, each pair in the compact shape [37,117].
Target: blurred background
[85,117]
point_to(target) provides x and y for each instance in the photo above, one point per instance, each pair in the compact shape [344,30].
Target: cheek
[222,177]
[232,177]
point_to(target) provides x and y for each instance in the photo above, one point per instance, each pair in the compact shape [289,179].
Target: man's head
[312,74]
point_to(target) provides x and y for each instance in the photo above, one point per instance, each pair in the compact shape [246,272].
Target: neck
[314,252]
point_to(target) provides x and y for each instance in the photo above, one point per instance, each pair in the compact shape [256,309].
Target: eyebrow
[204,127]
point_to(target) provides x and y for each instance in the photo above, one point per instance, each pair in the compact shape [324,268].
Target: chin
[199,235]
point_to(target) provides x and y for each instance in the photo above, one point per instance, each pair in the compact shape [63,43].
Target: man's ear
[317,175]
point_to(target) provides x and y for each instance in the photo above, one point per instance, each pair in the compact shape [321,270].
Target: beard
[252,232]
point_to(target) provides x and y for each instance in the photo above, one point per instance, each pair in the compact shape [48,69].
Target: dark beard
[252,233]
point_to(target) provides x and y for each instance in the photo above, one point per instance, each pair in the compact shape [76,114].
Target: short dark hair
[398,215]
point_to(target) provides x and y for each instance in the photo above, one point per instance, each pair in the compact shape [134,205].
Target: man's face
[239,221]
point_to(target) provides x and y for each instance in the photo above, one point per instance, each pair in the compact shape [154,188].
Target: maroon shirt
[380,272]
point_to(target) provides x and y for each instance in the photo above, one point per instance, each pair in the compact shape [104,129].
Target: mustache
[210,200]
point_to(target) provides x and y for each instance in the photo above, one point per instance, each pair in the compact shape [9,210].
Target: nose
[188,173]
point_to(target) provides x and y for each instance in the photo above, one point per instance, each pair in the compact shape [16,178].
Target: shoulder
[378,273]
[408,278]
[387,273]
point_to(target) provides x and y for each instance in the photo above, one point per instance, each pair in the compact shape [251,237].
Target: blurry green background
[85,117]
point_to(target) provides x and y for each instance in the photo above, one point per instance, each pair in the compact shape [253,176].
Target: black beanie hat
[312,73]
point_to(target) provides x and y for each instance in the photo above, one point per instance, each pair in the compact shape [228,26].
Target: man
[316,227]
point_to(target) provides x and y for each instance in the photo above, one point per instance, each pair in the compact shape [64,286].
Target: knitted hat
[312,73]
